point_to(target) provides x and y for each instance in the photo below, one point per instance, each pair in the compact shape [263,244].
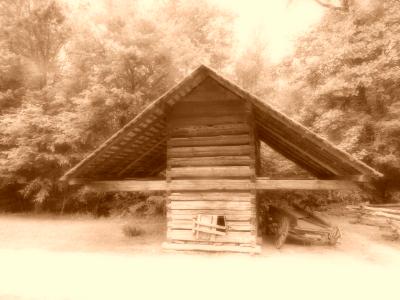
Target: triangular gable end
[139,148]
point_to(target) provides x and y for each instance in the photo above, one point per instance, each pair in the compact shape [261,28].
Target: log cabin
[204,137]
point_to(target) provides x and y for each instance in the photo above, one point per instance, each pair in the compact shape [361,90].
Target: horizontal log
[212,248]
[206,108]
[230,216]
[210,161]
[229,205]
[230,237]
[204,184]
[206,130]
[208,230]
[303,230]
[229,222]
[196,223]
[268,184]
[216,120]
[385,205]
[220,140]
[354,178]
[385,215]
[232,226]
[217,184]
[209,151]
[219,212]
[211,172]
[210,196]
[127,185]
[210,90]
[207,93]
[385,210]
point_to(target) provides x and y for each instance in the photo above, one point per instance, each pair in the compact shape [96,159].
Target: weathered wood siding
[211,137]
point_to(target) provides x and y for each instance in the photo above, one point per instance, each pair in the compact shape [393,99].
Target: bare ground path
[82,258]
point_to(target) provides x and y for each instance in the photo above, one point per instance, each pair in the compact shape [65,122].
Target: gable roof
[139,148]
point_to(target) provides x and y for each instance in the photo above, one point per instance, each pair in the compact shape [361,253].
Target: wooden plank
[189,221]
[207,230]
[182,224]
[380,209]
[251,122]
[210,161]
[229,205]
[231,216]
[218,184]
[227,119]
[209,151]
[212,248]
[223,140]
[392,205]
[210,90]
[267,184]
[204,130]
[127,185]
[237,196]
[211,172]
[205,224]
[383,214]
[230,237]
[204,184]
[219,212]
[207,108]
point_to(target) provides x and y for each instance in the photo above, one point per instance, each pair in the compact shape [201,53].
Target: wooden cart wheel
[282,231]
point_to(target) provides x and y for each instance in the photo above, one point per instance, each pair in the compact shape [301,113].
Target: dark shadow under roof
[139,148]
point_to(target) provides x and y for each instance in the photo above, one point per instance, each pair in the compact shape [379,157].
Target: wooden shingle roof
[139,148]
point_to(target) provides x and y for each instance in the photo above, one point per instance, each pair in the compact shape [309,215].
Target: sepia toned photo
[195,149]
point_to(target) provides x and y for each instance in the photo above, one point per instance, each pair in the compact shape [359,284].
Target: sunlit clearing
[278,23]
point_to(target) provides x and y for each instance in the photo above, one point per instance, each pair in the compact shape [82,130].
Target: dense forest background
[71,76]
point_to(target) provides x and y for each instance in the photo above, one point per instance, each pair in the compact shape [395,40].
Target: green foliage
[36,31]
[70,77]
[343,81]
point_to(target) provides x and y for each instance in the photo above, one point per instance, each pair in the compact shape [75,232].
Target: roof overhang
[139,148]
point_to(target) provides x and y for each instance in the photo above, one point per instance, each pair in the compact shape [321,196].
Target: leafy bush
[132,230]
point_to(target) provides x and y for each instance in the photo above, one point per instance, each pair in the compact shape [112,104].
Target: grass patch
[132,230]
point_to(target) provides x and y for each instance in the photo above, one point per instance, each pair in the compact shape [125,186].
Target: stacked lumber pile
[384,216]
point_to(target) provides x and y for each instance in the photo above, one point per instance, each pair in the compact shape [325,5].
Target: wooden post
[253,165]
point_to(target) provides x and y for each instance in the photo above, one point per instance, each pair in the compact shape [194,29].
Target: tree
[196,32]
[36,30]
[344,83]
[109,64]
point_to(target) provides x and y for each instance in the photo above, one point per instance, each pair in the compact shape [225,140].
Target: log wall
[211,137]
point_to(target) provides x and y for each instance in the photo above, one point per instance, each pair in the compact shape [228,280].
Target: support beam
[221,184]
[127,185]
[267,184]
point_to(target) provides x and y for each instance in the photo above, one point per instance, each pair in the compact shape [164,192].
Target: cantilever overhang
[138,150]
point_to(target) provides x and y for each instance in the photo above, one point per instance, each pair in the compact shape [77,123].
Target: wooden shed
[204,135]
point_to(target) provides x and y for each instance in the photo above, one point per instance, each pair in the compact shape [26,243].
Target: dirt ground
[77,257]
